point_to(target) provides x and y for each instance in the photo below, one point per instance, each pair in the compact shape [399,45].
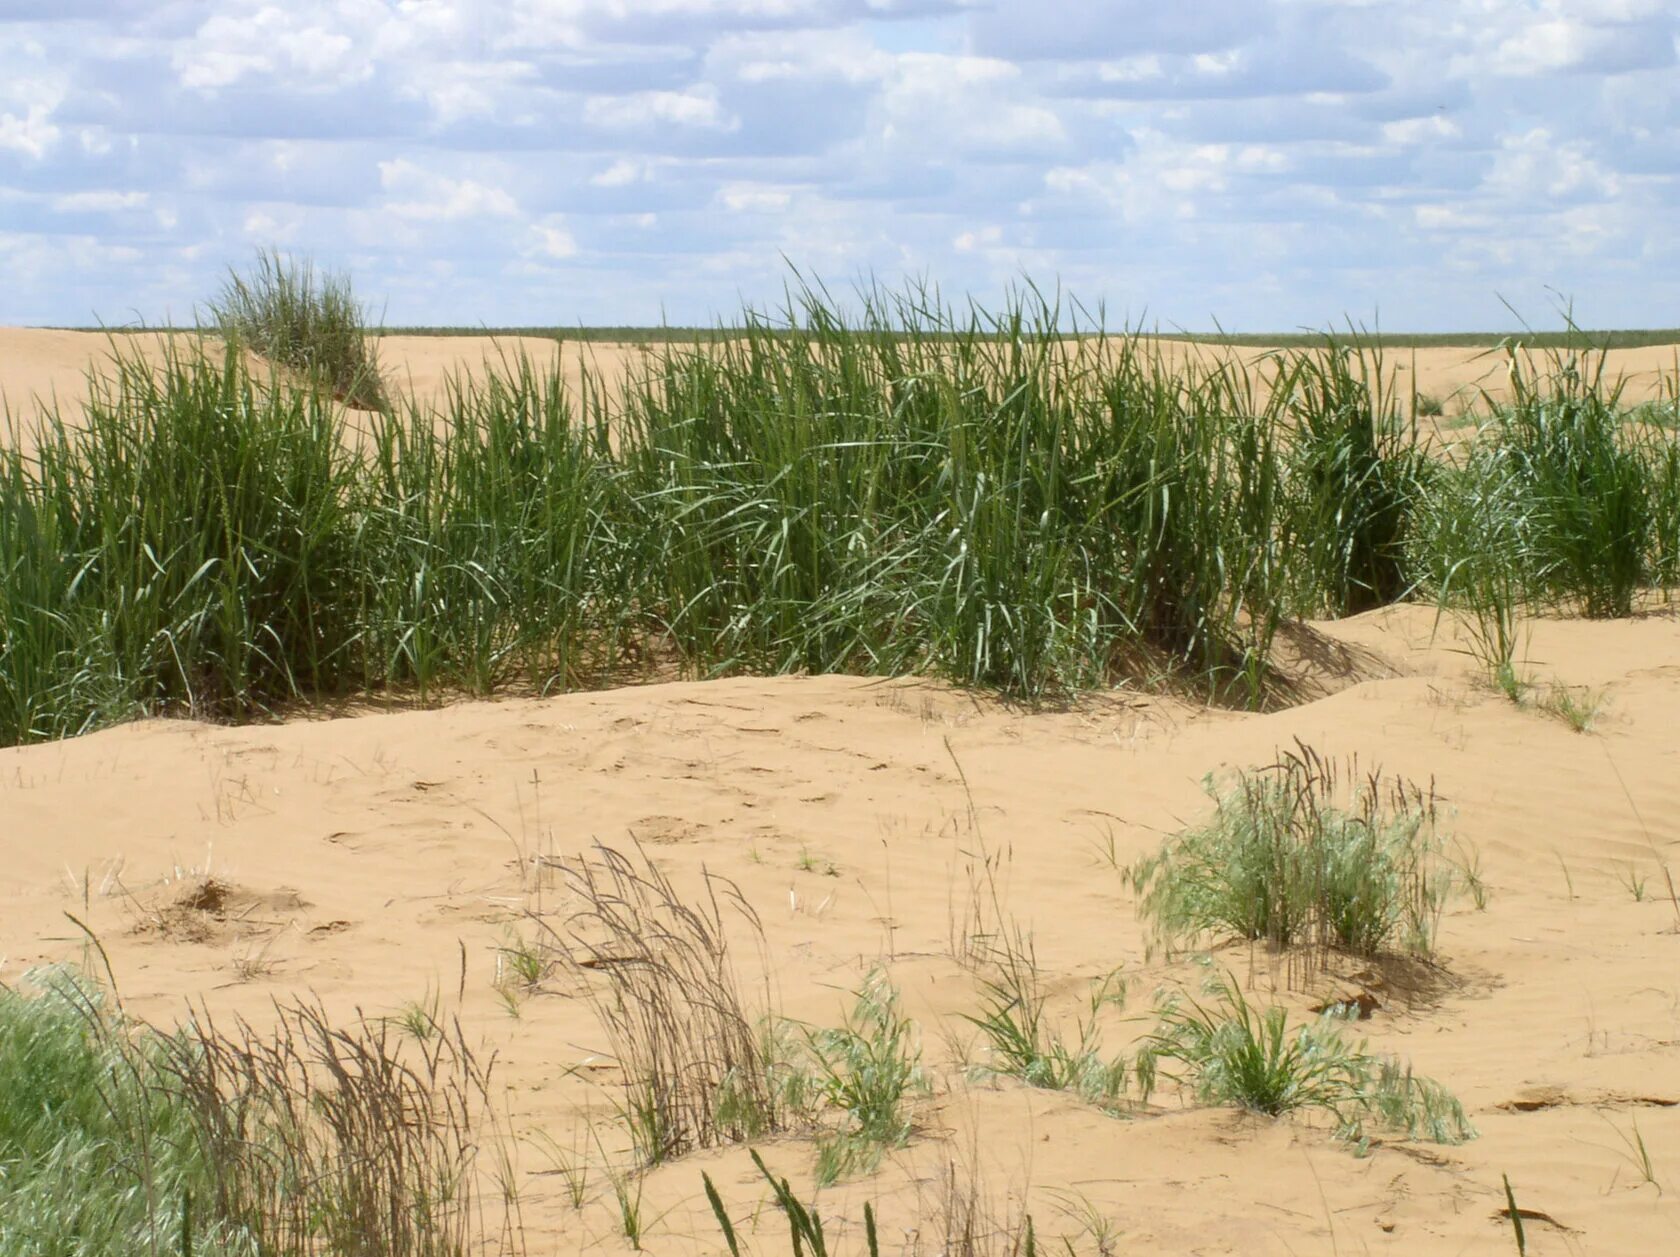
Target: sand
[389,857]
[39,367]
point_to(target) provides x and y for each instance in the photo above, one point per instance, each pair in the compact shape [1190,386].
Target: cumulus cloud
[423,194]
[1268,162]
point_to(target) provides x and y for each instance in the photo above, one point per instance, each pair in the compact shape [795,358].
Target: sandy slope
[367,856]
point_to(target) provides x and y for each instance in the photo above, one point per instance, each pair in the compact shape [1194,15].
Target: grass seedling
[522,963]
[1579,711]
[1638,1155]
[1516,1217]
[627,1188]
[1633,881]
[1093,1224]
[419,1018]
[809,863]
[1469,867]
[571,1165]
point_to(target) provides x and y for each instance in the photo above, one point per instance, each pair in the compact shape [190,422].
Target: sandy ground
[367,857]
[42,367]
[392,857]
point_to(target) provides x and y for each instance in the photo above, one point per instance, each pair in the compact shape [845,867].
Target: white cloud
[31,132]
[621,173]
[273,40]
[644,157]
[697,109]
[750,198]
[552,239]
[104,202]
[422,194]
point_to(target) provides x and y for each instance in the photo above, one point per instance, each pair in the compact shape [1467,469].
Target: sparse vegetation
[1579,709]
[1233,1053]
[1025,1042]
[1304,853]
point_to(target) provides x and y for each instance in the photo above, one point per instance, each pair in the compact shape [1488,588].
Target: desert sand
[389,857]
[40,366]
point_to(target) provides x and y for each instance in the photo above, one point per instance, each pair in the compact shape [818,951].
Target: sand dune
[389,857]
[365,858]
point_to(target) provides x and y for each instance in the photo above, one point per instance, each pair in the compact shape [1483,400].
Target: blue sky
[1267,163]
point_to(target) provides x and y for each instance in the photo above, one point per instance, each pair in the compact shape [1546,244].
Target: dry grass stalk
[697,1070]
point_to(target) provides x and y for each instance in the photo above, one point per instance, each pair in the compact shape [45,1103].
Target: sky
[1260,165]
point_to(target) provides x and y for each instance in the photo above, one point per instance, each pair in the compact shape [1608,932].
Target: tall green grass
[913,488]
[311,322]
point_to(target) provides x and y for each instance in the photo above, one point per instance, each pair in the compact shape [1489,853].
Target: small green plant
[1468,864]
[288,313]
[868,1068]
[1289,858]
[570,1164]
[1093,1224]
[419,1018]
[1638,1155]
[627,1195]
[1430,406]
[1634,881]
[1580,711]
[520,963]
[1024,1042]
[809,863]
[1232,1053]
[1515,1215]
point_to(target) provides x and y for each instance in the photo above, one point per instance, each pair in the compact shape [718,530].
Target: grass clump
[285,311]
[868,1068]
[1233,1053]
[1291,858]
[915,488]
[313,1137]
[93,1158]
[698,1072]
[1025,1042]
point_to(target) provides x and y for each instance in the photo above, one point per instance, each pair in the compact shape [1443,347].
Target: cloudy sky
[1265,163]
